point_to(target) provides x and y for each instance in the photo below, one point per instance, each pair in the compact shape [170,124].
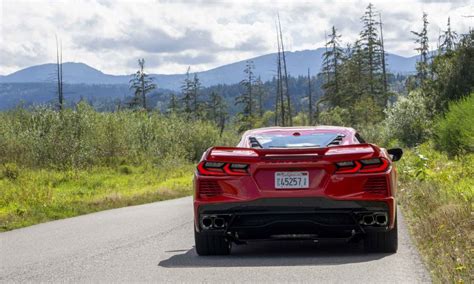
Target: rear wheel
[209,244]
[385,242]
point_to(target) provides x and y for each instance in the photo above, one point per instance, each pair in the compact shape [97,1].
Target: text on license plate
[291,179]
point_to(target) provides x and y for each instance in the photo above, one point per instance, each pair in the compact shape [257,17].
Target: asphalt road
[154,243]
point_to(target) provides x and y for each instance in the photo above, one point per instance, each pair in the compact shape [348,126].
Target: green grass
[35,196]
[436,194]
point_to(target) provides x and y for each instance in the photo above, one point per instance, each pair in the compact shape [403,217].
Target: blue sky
[171,35]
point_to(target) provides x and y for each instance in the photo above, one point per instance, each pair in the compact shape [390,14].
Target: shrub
[10,171]
[454,133]
[436,194]
[82,138]
[408,120]
[336,116]
[126,170]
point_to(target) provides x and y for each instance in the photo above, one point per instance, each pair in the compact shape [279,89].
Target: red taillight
[375,165]
[221,169]
[236,169]
[211,169]
[347,167]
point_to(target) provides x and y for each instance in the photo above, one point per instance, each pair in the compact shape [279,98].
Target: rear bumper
[308,217]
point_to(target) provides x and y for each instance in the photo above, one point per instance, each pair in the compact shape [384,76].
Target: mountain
[73,73]
[298,63]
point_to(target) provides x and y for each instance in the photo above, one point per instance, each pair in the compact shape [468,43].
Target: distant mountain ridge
[265,67]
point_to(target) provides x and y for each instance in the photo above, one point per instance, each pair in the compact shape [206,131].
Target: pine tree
[332,59]
[371,52]
[187,89]
[217,110]
[259,95]
[173,106]
[196,86]
[448,38]
[352,85]
[246,98]
[423,49]
[142,84]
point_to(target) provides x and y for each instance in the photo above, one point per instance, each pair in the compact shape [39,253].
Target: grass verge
[436,194]
[29,196]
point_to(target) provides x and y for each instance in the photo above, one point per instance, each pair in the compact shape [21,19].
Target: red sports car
[294,183]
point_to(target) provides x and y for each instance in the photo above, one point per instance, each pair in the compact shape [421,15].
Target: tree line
[353,86]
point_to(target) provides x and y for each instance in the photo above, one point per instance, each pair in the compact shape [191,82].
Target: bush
[455,131]
[82,138]
[408,120]
[336,116]
[126,170]
[10,171]
[436,194]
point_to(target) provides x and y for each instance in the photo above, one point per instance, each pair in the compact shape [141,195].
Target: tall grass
[437,195]
[454,132]
[83,137]
[61,164]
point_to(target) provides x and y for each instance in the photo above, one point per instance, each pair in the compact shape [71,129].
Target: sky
[111,35]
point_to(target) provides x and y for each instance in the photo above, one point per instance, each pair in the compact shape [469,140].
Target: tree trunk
[290,119]
[310,101]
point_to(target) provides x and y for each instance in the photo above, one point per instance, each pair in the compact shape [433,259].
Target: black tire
[382,242]
[208,244]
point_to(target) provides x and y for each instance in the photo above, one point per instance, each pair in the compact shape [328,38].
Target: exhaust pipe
[219,223]
[381,219]
[206,223]
[368,220]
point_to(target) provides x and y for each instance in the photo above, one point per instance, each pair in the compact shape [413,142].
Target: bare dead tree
[280,101]
[277,92]
[290,119]
[310,100]
[59,71]
[384,68]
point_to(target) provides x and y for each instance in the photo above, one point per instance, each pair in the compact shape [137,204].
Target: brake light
[221,169]
[211,168]
[348,167]
[375,165]
[236,169]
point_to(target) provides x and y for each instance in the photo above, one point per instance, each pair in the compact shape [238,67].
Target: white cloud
[111,35]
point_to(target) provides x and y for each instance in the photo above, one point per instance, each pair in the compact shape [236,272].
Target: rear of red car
[295,183]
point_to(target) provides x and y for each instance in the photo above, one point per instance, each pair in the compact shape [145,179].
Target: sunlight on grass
[437,195]
[36,196]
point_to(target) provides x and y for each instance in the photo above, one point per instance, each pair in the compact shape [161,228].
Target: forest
[63,160]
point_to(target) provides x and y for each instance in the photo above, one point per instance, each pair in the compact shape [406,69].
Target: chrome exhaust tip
[206,223]
[219,223]
[381,219]
[368,220]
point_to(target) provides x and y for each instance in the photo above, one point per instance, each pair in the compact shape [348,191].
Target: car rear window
[293,140]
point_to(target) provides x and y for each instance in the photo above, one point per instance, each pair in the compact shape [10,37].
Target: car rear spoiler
[253,154]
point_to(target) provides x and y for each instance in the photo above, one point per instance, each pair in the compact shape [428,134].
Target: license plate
[291,180]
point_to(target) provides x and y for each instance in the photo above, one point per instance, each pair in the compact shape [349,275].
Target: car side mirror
[395,154]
